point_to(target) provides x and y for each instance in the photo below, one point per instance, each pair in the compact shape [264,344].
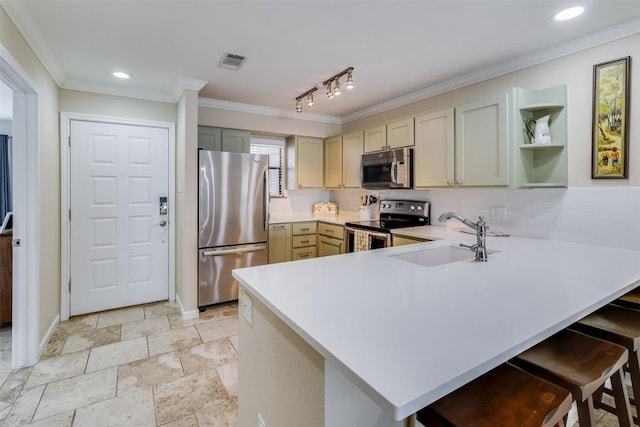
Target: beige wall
[281,376]
[49,148]
[187,201]
[576,71]
[116,106]
[265,124]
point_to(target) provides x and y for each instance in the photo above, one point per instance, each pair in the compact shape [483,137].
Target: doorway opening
[25,241]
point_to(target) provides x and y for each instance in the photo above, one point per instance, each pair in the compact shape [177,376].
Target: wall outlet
[246,307]
[498,213]
[261,422]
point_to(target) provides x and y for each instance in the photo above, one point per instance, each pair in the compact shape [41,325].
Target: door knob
[162,223]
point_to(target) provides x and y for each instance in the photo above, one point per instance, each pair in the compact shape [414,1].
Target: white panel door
[119,239]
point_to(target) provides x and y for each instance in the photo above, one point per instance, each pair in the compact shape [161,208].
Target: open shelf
[541,165]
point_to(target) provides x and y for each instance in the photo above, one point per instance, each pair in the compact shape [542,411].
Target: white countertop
[407,335]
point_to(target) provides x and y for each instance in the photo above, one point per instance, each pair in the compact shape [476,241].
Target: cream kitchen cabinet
[342,160]
[433,156]
[330,239]
[279,243]
[396,134]
[305,160]
[481,141]
[303,240]
[218,139]
[397,240]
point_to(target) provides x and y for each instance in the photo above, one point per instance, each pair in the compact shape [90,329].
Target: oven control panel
[405,207]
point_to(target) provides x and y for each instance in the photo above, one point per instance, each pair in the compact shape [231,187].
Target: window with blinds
[274,147]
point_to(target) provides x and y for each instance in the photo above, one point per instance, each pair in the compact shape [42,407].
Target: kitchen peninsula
[367,339]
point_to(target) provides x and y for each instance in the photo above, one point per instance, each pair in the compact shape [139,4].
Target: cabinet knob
[449,182]
[458,182]
[299,185]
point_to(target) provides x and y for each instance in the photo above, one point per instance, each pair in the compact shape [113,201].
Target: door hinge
[69,142]
[69,214]
[69,285]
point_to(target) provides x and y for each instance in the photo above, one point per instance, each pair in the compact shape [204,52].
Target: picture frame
[610,125]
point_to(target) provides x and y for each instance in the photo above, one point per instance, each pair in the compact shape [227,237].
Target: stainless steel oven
[377,240]
[375,234]
[387,169]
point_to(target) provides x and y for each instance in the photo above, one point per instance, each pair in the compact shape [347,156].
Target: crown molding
[185,83]
[622,30]
[265,111]
[127,92]
[36,42]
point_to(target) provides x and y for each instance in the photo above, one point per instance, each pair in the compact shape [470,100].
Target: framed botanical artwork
[610,129]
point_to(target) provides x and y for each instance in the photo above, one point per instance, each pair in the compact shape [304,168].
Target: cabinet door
[333,162]
[330,246]
[433,153]
[309,162]
[406,240]
[400,133]
[209,138]
[481,141]
[238,141]
[351,157]
[279,243]
[375,139]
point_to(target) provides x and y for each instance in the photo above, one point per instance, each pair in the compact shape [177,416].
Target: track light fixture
[332,88]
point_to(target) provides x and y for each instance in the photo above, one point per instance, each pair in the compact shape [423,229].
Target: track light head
[298,106]
[349,80]
[336,89]
[310,100]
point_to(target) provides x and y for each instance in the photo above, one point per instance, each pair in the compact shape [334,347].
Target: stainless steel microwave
[387,169]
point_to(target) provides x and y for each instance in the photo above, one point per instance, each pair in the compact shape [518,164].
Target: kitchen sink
[440,255]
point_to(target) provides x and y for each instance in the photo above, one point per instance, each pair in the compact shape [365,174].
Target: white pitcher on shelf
[541,133]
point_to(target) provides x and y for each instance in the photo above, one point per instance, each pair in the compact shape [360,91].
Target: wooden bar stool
[620,325]
[504,397]
[581,364]
[630,299]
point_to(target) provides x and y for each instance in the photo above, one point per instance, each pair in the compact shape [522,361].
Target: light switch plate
[246,307]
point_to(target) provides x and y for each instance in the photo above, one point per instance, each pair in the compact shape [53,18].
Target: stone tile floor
[137,366]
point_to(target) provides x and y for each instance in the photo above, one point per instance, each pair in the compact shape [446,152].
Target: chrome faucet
[481,227]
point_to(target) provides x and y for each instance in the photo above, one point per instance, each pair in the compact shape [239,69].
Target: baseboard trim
[187,315]
[47,336]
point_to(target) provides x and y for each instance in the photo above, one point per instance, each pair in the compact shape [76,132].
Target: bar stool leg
[621,397]
[585,412]
[634,370]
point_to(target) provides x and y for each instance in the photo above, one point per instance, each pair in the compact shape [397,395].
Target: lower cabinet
[279,243]
[330,239]
[303,241]
[405,240]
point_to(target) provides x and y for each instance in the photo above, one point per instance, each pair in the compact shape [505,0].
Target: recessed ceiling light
[569,13]
[121,75]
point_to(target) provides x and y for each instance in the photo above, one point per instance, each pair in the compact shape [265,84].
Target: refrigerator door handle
[266,196]
[233,251]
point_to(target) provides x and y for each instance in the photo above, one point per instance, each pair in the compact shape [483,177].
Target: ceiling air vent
[232,61]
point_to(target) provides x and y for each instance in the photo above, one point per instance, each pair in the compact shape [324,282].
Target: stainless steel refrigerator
[232,220]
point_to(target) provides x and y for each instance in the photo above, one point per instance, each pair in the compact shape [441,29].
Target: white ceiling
[398,48]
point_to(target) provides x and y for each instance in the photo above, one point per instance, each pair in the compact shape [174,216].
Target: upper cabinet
[342,160]
[352,146]
[375,138]
[333,162]
[400,133]
[434,161]
[481,141]
[305,156]
[541,165]
[218,139]
[394,134]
